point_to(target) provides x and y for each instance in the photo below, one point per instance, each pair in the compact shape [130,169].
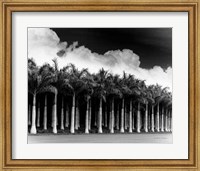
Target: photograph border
[9,6]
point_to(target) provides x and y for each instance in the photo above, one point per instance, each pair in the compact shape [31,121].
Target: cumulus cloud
[44,45]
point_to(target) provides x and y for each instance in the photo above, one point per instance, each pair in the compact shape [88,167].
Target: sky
[153,45]
[143,52]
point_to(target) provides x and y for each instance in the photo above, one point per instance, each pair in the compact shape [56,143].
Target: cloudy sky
[144,52]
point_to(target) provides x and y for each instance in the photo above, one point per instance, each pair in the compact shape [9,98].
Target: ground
[165,138]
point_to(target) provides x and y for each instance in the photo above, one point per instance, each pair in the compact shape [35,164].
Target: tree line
[74,99]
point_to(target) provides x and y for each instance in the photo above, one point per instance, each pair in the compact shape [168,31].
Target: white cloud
[44,45]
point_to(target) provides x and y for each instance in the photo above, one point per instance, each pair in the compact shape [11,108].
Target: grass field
[164,138]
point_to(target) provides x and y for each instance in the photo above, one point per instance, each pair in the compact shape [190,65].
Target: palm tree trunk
[125,115]
[149,120]
[52,118]
[162,120]
[103,116]
[152,119]
[103,123]
[33,127]
[133,119]
[87,118]
[38,115]
[166,120]
[55,115]
[67,116]
[112,117]
[106,116]
[117,120]
[110,113]
[157,119]
[96,116]
[170,121]
[122,117]
[130,117]
[62,116]
[29,115]
[100,117]
[146,119]
[72,115]
[90,115]
[138,125]
[45,114]
[77,116]
[78,111]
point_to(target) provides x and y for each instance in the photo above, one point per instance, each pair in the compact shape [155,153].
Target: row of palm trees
[74,99]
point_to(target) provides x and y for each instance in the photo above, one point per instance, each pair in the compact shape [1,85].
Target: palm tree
[37,83]
[133,95]
[113,89]
[74,83]
[88,90]
[138,88]
[46,70]
[151,90]
[138,121]
[100,93]
[126,91]
[159,96]
[167,103]
[169,118]
[64,83]
[118,95]
[57,87]
[102,87]
[148,99]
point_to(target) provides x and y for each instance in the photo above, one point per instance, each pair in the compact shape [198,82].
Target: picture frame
[9,6]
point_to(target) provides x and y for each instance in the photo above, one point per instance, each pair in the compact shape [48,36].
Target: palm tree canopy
[158,93]
[113,86]
[101,82]
[73,79]
[39,81]
[70,80]
[125,88]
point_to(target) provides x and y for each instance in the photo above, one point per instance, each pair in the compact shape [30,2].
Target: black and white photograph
[99,85]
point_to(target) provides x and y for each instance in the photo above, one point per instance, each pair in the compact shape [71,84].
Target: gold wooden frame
[9,6]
